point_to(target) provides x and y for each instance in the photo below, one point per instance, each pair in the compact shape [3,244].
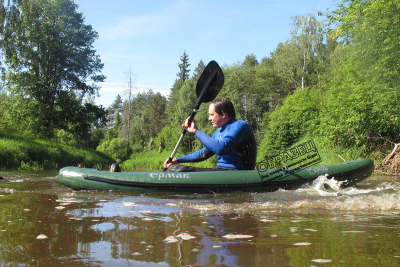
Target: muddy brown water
[44,223]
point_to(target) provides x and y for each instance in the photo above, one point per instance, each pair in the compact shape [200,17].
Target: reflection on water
[319,224]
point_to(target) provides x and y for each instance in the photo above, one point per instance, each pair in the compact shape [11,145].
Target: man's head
[220,112]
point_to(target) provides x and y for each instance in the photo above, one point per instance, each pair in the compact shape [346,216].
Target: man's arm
[231,140]
[197,156]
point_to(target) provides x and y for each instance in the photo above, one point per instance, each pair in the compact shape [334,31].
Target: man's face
[217,120]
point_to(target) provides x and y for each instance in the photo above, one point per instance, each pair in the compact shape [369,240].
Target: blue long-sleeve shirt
[234,144]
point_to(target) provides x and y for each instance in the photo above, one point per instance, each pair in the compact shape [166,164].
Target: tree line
[336,79]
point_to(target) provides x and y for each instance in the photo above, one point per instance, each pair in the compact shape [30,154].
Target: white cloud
[114,89]
[140,88]
[153,86]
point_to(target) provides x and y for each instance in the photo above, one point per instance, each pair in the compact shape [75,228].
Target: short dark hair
[224,105]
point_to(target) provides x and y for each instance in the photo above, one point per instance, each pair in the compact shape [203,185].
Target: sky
[150,36]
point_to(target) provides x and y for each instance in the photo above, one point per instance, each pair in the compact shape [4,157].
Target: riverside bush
[298,115]
[116,148]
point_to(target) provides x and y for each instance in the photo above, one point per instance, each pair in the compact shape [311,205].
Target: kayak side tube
[350,173]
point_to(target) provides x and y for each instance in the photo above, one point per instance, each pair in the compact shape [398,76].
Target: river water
[44,223]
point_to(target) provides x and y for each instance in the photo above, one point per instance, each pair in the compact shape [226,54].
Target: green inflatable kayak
[350,173]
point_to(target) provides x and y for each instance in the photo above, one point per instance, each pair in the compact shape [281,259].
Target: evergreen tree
[198,70]
[114,113]
[250,60]
[184,70]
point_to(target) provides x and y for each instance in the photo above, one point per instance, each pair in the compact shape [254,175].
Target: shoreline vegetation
[335,80]
[25,153]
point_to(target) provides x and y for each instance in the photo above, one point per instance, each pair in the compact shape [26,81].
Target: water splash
[322,186]
[322,195]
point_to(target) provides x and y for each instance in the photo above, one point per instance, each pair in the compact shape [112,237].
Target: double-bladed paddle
[208,86]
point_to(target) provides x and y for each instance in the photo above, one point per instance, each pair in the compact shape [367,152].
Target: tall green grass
[26,153]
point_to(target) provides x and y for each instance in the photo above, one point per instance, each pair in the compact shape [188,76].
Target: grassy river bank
[27,153]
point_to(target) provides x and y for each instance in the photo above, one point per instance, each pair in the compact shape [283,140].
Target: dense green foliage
[363,99]
[335,80]
[51,67]
[296,117]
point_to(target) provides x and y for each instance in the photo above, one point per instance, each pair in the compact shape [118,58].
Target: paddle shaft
[194,112]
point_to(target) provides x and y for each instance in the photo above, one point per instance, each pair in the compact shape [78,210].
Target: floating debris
[185,236]
[147,219]
[274,236]
[150,246]
[321,260]
[67,200]
[302,244]
[2,230]
[171,239]
[60,207]
[171,205]
[95,220]
[143,242]
[311,230]
[353,231]
[136,254]
[42,236]
[65,204]
[103,200]
[195,250]
[128,204]
[266,220]
[26,209]
[216,246]
[237,236]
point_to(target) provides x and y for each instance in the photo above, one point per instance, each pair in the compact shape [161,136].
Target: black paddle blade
[211,80]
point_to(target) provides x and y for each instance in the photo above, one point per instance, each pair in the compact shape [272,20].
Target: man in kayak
[233,143]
